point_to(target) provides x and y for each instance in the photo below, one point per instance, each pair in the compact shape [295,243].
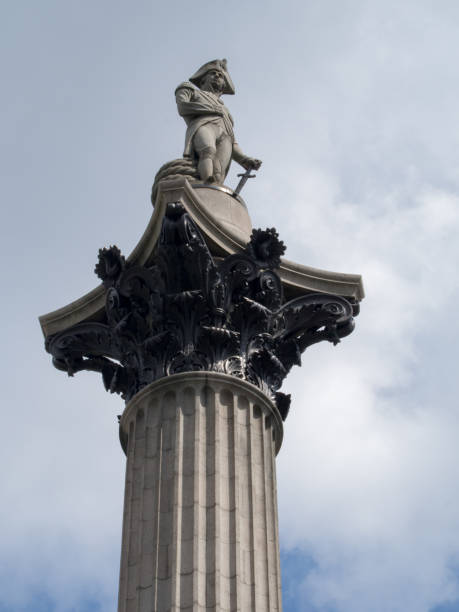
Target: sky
[353,108]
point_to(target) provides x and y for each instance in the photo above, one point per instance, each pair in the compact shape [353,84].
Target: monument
[196,330]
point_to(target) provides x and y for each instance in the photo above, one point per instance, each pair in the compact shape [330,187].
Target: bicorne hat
[214,65]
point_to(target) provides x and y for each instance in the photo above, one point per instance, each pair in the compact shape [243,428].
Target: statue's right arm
[188,104]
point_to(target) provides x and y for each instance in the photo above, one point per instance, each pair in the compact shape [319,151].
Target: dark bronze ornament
[187,312]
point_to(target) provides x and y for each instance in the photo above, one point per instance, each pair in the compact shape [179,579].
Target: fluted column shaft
[200,528]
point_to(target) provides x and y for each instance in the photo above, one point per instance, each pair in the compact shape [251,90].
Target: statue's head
[214,76]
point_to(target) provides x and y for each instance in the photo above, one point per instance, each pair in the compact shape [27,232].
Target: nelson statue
[209,135]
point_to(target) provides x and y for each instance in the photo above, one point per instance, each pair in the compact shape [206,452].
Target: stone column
[200,520]
[200,528]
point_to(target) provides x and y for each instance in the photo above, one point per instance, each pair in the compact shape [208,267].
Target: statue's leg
[205,147]
[223,157]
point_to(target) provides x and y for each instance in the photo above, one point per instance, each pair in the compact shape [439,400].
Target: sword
[245,177]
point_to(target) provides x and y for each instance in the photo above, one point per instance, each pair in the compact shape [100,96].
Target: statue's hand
[250,163]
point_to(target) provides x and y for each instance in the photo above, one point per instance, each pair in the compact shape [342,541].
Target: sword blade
[243,180]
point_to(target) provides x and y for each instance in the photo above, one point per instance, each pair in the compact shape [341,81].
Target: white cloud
[375,504]
[353,108]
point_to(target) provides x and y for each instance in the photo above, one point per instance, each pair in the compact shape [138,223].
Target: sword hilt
[244,178]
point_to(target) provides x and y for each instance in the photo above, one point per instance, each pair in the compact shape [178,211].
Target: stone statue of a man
[210,136]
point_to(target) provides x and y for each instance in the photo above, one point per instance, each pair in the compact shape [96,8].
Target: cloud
[353,108]
[62,492]
[375,505]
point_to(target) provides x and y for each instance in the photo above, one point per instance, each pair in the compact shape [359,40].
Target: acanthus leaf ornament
[184,311]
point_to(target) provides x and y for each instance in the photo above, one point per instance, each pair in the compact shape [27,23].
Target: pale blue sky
[353,108]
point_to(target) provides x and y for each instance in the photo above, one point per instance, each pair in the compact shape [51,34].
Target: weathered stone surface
[228,212]
[200,529]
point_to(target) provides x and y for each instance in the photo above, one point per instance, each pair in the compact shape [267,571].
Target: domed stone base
[226,209]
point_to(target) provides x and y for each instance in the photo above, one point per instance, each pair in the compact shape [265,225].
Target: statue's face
[213,81]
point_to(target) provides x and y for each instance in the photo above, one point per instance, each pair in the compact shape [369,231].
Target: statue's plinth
[227,209]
